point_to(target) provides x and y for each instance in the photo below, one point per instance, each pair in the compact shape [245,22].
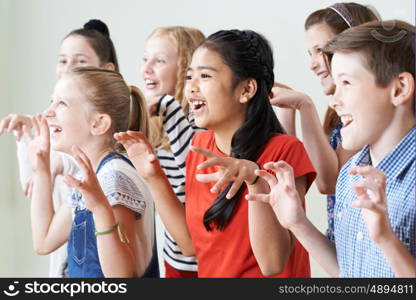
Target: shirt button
[360,236]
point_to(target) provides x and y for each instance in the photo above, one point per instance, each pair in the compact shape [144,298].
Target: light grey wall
[30,35]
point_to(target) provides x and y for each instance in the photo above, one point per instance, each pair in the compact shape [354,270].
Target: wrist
[306,103]
[255,178]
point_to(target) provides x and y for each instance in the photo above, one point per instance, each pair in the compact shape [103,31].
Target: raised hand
[140,153]
[287,98]
[372,200]
[14,122]
[39,144]
[283,196]
[89,187]
[230,169]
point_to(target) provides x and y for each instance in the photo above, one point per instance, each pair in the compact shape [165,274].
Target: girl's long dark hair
[249,55]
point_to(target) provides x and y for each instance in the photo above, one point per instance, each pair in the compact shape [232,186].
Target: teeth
[195,103]
[148,81]
[346,119]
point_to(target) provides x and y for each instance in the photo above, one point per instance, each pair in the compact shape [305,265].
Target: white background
[30,35]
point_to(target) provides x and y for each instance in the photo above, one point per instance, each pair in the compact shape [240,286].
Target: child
[167,54]
[228,83]
[87,46]
[375,209]
[88,106]
[320,27]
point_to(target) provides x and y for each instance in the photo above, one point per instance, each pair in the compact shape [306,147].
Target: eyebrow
[203,68]
[77,54]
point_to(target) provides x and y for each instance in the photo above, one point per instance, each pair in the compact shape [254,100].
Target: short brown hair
[388,46]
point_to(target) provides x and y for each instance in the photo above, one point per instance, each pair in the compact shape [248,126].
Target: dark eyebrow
[203,68]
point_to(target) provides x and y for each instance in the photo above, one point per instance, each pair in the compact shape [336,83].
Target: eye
[318,50]
[62,61]
[144,59]
[205,75]
[188,77]
[61,102]
[161,61]
[82,61]
[345,82]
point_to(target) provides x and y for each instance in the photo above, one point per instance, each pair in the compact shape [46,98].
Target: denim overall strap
[83,259]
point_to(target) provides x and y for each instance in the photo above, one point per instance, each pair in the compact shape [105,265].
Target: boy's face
[365,108]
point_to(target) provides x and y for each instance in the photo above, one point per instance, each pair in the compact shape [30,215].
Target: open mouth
[346,121]
[54,129]
[150,84]
[197,105]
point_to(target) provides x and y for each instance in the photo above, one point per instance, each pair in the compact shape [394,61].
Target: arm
[271,243]
[50,230]
[116,245]
[376,218]
[170,209]
[326,161]
[286,116]
[286,204]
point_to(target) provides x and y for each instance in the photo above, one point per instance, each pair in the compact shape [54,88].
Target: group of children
[203,138]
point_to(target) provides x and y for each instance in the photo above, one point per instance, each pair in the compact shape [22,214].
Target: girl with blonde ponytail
[112,232]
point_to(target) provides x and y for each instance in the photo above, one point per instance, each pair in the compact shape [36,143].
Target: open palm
[140,153]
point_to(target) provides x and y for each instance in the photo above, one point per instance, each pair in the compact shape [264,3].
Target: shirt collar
[397,160]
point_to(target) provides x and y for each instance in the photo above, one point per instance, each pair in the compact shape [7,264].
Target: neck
[390,137]
[96,153]
[223,139]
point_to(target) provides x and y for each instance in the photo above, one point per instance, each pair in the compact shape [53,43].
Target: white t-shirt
[122,185]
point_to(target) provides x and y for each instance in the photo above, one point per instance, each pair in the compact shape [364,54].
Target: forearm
[287,118]
[172,212]
[318,246]
[271,243]
[25,172]
[398,256]
[42,211]
[116,257]
[323,157]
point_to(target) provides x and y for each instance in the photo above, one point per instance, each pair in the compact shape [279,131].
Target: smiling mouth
[150,83]
[346,120]
[197,105]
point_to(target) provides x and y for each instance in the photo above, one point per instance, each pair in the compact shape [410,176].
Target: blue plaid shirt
[357,255]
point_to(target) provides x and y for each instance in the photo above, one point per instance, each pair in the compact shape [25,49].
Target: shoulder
[202,138]
[280,143]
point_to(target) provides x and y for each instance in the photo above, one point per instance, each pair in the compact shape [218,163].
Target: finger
[72,182]
[258,197]
[207,177]
[4,124]
[44,128]
[13,124]
[124,139]
[35,125]
[19,134]
[78,151]
[27,132]
[368,172]
[270,179]
[234,188]
[369,187]
[213,161]
[30,189]
[85,168]
[203,151]
[139,136]
[224,180]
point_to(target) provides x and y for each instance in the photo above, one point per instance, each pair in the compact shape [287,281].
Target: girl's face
[68,116]
[75,52]
[160,66]
[317,36]
[215,103]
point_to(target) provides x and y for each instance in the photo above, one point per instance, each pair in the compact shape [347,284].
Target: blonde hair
[108,93]
[186,40]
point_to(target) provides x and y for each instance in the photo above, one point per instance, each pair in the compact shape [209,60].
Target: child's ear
[100,124]
[403,89]
[249,90]
[109,66]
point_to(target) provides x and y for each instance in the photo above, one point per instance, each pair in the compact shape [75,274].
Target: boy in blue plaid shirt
[373,67]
